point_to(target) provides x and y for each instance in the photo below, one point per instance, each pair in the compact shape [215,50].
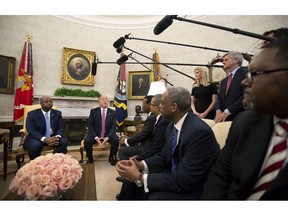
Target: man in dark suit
[179,175]
[254,133]
[135,144]
[230,96]
[37,128]
[102,132]
[130,191]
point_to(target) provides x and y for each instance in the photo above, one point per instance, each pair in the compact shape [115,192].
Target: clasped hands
[101,141]
[220,116]
[52,141]
[122,139]
[129,169]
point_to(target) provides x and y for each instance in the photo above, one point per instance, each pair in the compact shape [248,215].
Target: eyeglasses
[251,75]
[153,104]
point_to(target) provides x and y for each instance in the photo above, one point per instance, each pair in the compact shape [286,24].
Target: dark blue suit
[94,129]
[36,128]
[233,100]
[237,168]
[130,191]
[196,151]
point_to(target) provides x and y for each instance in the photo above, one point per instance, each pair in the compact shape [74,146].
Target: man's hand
[52,141]
[122,139]
[220,116]
[128,170]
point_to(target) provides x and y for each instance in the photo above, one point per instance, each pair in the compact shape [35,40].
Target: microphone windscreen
[94,69]
[163,24]
[119,42]
[122,59]
[119,49]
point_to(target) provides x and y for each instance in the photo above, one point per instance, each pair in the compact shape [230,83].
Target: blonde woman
[204,95]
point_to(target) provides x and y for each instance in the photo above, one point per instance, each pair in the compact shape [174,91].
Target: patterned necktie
[103,124]
[174,145]
[274,162]
[48,126]
[228,83]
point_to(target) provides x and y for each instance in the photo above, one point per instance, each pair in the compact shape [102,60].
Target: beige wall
[51,34]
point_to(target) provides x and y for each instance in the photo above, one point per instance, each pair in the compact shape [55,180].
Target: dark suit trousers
[130,191]
[35,147]
[89,141]
[126,152]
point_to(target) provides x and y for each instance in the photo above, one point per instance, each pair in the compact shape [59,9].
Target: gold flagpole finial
[155,49]
[28,37]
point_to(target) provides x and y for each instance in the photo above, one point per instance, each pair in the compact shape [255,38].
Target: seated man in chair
[43,132]
[101,129]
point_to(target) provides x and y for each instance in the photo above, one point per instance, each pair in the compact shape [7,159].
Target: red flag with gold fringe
[24,91]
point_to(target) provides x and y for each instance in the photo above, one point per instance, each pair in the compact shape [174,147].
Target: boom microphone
[94,66]
[119,42]
[164,24]
[122,59]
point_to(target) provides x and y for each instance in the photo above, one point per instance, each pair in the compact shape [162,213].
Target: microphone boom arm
[235,31]
[180,44]
[160,63]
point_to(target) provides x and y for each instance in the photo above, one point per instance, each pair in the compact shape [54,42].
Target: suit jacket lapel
[256,149]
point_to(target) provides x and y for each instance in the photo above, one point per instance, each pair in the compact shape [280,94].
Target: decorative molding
[117,22]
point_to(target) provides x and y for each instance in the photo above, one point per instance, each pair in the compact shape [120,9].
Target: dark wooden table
[85,189]
[4,139]
[8,125]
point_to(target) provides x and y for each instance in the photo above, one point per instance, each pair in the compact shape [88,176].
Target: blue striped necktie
[174,145]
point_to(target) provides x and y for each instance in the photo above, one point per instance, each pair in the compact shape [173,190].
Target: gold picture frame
[135,90]
[77,66]
[216,74]
[7,74]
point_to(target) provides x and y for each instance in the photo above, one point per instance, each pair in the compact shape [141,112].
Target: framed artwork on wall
[138,84]
[77,66]
[216,74]
[7,74]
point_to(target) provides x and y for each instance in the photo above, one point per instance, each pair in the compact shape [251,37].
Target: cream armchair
[220,130]
[20,156]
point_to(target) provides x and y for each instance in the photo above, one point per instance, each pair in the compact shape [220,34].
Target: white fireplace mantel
[73,107]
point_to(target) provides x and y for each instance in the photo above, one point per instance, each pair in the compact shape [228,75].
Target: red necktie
[274,162]
[228,83]
[103,124]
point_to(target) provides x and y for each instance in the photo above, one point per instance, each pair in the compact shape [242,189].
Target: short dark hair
[282,46]
[148,99]
[278,33]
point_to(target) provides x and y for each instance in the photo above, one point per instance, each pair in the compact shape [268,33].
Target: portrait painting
[139,83]
[77,66]
[7,74]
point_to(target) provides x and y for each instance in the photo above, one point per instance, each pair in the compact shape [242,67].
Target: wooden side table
[4,139]
[9,125]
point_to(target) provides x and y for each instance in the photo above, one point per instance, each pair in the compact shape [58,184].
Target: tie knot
[281,128]
[175,131]
[47,114]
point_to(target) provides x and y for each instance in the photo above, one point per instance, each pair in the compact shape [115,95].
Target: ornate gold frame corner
[7,74]
[216,74]
[134,76]
[75,74]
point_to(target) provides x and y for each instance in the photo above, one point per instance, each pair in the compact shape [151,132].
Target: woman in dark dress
[204,95]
